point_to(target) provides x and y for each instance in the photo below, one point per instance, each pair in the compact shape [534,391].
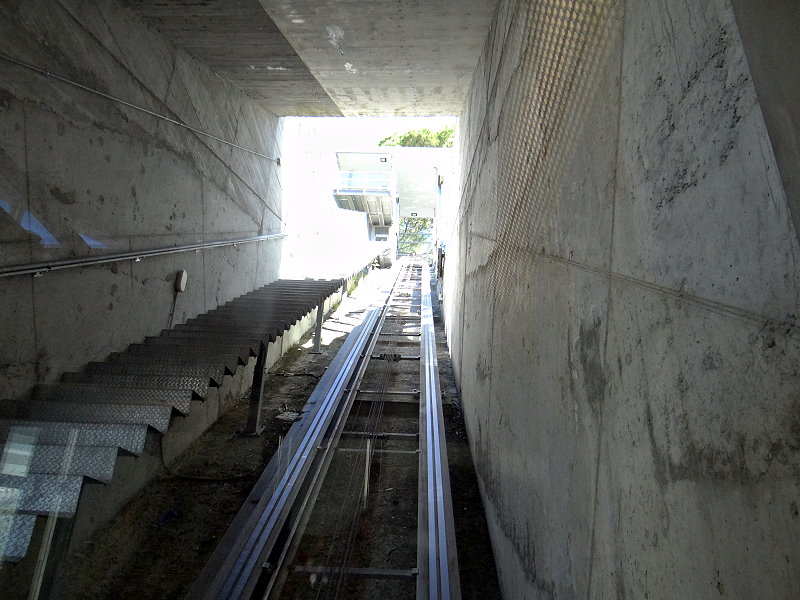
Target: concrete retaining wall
[81,175]
[621,291]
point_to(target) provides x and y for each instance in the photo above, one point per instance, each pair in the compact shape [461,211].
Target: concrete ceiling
[388,57]
[317,57]
[237,40]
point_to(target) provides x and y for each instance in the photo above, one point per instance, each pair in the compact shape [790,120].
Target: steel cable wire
[335,562]
[371,428]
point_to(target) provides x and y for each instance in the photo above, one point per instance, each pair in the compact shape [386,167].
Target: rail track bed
[356,503]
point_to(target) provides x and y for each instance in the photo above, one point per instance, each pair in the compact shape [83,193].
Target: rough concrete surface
[621,294]
[387,58]
[239,41]
[84,176]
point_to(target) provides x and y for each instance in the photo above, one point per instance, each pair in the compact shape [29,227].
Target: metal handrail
[38,269]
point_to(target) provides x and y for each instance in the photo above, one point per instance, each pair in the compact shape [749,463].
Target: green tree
[414,235]
[421,138]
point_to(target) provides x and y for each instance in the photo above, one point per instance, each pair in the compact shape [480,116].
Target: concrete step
[157,417]
[130,438]
[89,393]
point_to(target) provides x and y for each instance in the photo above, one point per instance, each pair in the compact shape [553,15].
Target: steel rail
[330,448]
[243,566]
[240,581]
[71,263]
[436,549]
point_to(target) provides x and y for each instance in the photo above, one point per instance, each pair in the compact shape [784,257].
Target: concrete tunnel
[621,283]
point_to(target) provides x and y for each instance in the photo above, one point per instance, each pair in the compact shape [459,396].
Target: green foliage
[353,283]
[414,236]
[421,138]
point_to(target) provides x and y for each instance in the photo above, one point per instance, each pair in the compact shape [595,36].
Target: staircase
[74,431]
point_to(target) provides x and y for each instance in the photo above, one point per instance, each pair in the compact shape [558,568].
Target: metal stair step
[15,536]
[157,417]
[190,344]
[272,329]
[199,385]
[244,316]
[192,349]
[213,333]
[230,361]
[213,372]
[234,325]
[270,302]
[128,437]
[87,393]
[40,493]
[94,462]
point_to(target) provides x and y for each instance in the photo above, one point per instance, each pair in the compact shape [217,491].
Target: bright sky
[353,133]
[325,241]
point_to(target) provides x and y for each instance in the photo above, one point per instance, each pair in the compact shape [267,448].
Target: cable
[177,122]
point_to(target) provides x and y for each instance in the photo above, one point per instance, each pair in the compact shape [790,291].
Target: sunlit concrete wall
[81,175]
[621,290]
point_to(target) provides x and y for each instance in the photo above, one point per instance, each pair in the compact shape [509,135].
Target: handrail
[38,269]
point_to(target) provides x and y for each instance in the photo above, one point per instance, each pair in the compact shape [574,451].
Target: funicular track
[356,504]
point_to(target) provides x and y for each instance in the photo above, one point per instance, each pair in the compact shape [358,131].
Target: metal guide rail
[253,559]
[436,545]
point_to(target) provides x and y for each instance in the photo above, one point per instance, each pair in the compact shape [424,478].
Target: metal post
[254,426]
[367,462]
[318,330]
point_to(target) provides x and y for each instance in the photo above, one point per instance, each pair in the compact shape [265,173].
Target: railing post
[318,329]
[254,426]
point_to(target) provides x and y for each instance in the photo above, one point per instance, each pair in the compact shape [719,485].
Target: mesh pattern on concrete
[565,42]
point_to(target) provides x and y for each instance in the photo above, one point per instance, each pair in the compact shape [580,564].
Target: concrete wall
[76,169]
[622,290]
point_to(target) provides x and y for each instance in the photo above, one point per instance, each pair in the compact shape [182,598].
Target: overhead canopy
[316,57]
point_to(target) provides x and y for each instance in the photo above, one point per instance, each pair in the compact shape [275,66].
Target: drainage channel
[357,503]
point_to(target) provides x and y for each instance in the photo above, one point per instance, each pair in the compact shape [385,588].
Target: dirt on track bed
[159,543]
